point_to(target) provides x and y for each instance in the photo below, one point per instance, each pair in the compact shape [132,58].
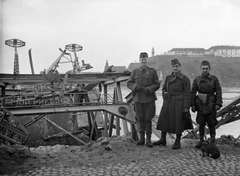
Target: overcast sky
[113,30]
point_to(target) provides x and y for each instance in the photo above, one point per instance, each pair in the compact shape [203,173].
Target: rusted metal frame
[3,93]
[120,99]
[105,113]
[92,123]
[30,61]
[233,119]
[95,118]
[227,117]
[3,84]
[111,125]
[35,119]
[79,140]
[117,120]
[134,127]
[112,116]
[116,79]
[15,119]
[9,139]
[19,132]
[5,78]
[228,107]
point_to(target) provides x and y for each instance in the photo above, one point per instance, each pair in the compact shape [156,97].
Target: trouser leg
[140,115]
[148,125]
[212,134]
[201,133]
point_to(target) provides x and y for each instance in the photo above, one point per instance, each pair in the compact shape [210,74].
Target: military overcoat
[176,96]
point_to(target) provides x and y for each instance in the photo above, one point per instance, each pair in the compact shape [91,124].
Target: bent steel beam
[122,110]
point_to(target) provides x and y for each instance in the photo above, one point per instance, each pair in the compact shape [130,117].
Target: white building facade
[225,51]
[187,51]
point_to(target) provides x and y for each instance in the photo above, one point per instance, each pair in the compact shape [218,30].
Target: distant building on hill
[116,69]
[220,50]
[225,51]
[187,51]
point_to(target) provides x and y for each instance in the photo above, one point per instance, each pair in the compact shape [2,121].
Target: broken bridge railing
[225,115]
[26,104]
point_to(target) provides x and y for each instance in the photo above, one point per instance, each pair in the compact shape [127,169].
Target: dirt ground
[105,151]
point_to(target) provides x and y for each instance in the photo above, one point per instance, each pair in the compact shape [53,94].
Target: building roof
[132,66]
[223,47]
[119,69]
[188,49]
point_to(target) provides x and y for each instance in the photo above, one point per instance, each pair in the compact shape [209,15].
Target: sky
[112,30]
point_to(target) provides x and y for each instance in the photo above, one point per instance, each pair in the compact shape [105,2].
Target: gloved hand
[193,109]
[146,91]
[217,107]
[139,88]
[185,110]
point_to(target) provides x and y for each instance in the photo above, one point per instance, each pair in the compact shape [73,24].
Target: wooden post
[117,118]
[3,94]
[119,98]
[105,113]
[91,120]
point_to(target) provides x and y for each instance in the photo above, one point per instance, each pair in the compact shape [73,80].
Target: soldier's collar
[178,74]
[207,76]
[144,68]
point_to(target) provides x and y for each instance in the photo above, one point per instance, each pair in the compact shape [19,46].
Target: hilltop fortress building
[220,50]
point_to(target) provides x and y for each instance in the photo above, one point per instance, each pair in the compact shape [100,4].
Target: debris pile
[228,139]
[11,155]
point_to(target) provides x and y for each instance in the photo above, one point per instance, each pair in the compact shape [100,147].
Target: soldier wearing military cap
[206,99]
[176,100]
[144,83]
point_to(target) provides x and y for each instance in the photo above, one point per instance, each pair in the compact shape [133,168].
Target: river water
[229,94]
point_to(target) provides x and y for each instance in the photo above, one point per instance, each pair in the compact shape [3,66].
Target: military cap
[205,62]
[175,61]
[143,55]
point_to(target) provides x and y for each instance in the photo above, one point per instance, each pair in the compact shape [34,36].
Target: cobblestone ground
[162,161]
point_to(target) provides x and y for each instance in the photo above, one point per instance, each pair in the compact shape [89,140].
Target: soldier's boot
[177,143]
[200,143]
[142,139]
[148,141]
[163,140]
[142,133]
[148,125]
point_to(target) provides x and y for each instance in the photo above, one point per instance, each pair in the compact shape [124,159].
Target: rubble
[228,139]
[114,150]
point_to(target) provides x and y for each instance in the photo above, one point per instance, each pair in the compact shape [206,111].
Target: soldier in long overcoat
[176,100]
[206,99]
[144,83]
